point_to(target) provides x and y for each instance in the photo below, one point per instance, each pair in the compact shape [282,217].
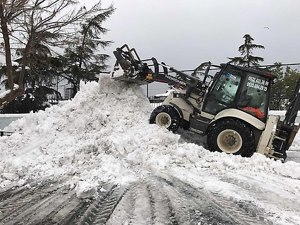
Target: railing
[5,133]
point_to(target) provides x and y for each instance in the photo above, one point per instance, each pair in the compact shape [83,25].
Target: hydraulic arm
[134,69]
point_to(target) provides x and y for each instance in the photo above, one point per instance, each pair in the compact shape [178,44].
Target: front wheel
[165,116]
[231,136]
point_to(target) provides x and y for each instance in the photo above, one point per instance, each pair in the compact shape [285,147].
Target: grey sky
[184,33]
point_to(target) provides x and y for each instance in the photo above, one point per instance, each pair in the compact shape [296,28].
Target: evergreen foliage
[246,50]
[33,100]
[82,59]
[283,88]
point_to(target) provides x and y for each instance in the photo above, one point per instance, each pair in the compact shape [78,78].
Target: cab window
[254,96]
[224,92]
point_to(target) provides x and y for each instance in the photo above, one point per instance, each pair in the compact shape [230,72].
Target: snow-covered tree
[246,49]
[83,59]
[27,25]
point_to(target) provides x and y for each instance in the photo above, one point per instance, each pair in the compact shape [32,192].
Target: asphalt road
[153,200]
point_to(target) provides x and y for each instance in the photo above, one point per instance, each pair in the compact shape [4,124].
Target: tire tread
[248,145]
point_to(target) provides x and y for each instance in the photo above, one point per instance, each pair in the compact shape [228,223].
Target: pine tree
[82,59]
[277,90]
[247,59]
[284,85]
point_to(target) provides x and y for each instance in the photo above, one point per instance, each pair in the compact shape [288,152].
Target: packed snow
[103,135]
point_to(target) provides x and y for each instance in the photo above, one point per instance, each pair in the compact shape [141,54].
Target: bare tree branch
[29,23]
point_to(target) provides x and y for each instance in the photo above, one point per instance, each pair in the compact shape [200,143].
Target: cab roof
[259,72]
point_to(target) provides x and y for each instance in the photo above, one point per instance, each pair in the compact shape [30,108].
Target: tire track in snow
[143,209]
[152,200]
[143,203]
[216,208]
[102,208]
[15,203]
[41,204]
[19,207]
[124,210]
[163,211]
[191,206]
[245,212]
[265,192]
[268,195]
[152,204]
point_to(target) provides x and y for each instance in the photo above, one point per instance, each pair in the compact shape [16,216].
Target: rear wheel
[165,116]
[231,136]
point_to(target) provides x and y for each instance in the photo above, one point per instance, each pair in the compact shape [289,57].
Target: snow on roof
[103,135]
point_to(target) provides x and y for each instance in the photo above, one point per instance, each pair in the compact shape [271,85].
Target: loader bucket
[130,68]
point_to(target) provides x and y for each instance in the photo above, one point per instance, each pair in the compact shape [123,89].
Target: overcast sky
[184,33]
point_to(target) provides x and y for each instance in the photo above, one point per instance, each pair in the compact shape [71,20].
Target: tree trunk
[5,33]
[9,69]
[24,63]
[75,89]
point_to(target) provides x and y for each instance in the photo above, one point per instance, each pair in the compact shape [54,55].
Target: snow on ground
[103,135]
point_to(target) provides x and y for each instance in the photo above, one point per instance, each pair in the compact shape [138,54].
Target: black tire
[165,116]
[231,136]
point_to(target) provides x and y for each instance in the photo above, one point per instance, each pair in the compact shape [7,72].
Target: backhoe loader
[227,103]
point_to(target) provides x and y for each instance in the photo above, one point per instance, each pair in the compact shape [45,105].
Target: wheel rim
[163,120]
[229,141]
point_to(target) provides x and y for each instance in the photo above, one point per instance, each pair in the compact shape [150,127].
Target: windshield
[224,92]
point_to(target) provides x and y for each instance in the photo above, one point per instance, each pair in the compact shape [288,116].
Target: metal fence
[5,133]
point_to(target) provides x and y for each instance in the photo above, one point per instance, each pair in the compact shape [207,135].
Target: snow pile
[103,135]
[296,142]
[96,137]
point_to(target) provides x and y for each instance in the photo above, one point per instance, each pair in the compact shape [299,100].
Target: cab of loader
[239,88]
[232,112]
